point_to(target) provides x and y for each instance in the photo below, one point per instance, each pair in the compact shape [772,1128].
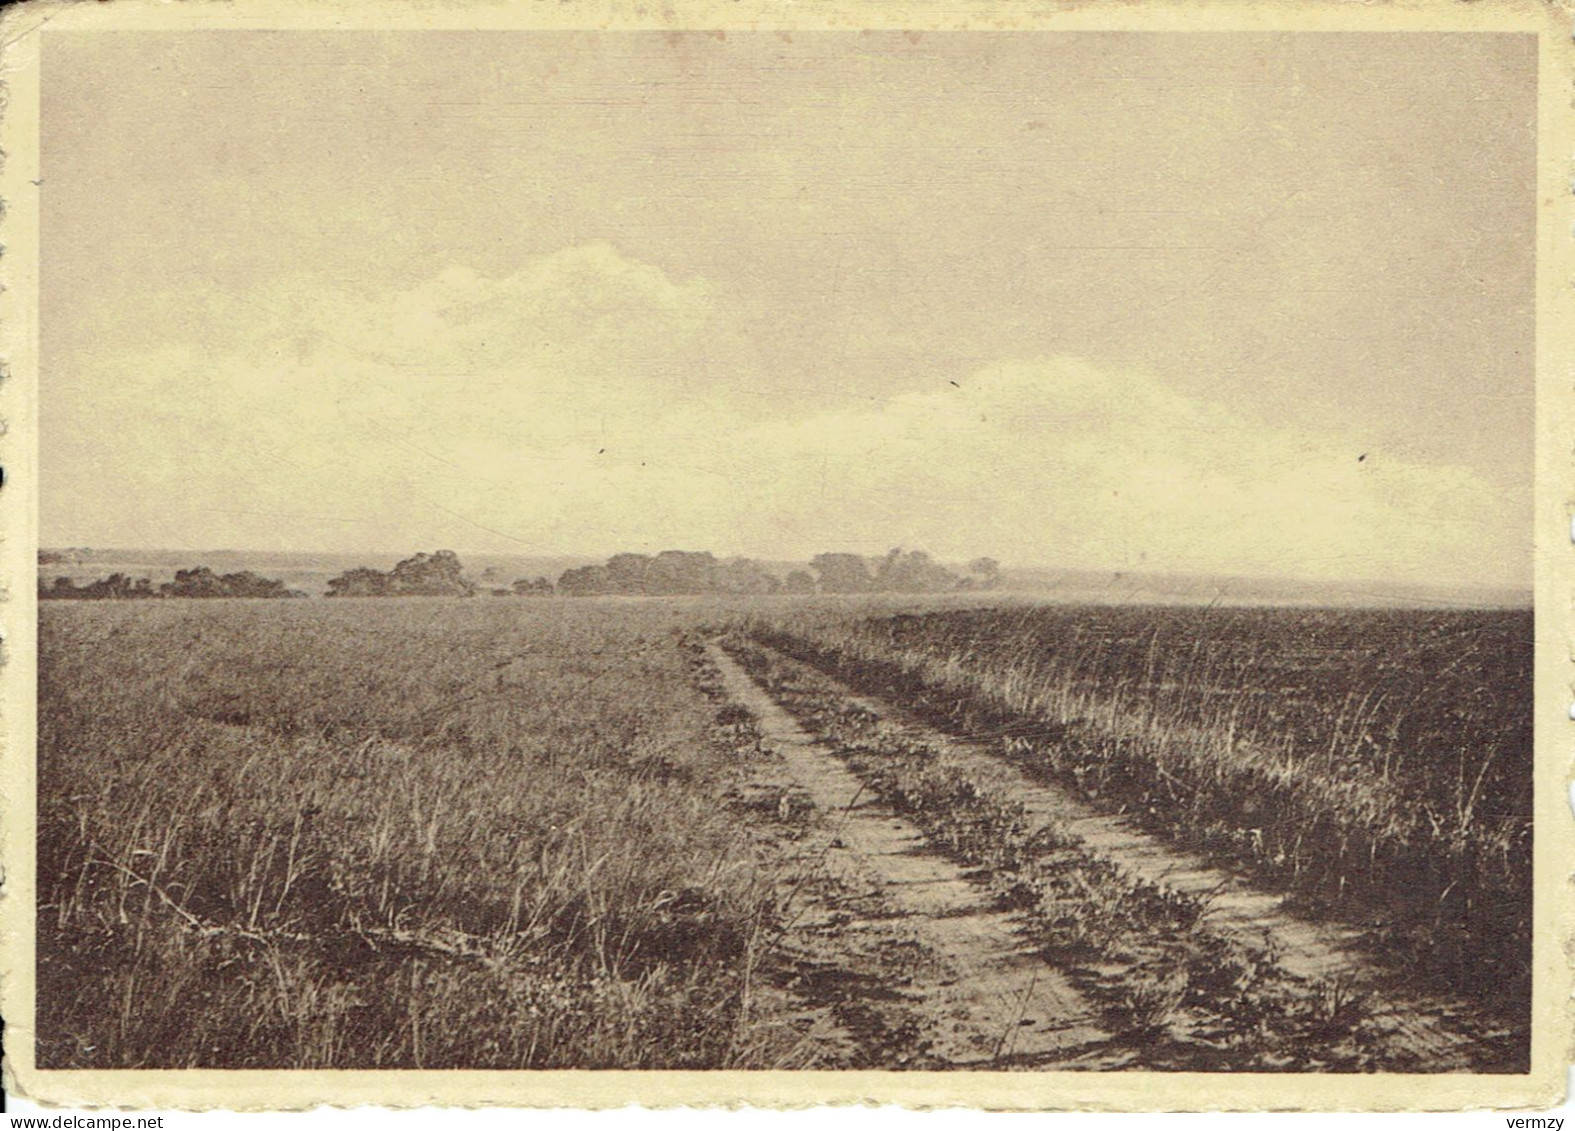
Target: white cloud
[1059,460]
[590,402]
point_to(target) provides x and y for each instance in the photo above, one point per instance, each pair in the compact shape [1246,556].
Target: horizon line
[1526,590]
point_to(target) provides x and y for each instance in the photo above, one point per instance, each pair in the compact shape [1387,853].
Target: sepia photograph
[785,550]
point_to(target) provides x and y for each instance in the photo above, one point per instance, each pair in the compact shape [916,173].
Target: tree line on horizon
[198,582]
[682,572]
[670,573]
[438,574]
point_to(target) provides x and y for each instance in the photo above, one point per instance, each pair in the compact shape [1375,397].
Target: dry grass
[1378,764]
[437,833]
[1180,995]
[403,834]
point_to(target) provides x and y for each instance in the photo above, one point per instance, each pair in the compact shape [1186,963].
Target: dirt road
[1419,1025]
[978,996]
[993,978]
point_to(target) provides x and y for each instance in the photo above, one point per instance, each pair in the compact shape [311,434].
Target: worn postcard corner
[1013,557]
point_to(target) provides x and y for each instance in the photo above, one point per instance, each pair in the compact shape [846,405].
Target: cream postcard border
[21,31]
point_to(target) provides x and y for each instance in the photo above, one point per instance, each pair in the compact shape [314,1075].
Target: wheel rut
[1420,1025]
[1430,1031]
[986,998]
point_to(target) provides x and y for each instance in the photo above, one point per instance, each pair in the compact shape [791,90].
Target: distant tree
[629,573]
[799,581]
[912,572]
[199,582]
[360,582]
[438,574]
[540,587]
[115,587]
[248,584]
[842,573]
[675,572]
[203,582]
[669,573]
[986,572]
[585,581]
[741,575]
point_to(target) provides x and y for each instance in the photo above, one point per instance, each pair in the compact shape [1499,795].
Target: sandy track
[1429,1030]
[984,998]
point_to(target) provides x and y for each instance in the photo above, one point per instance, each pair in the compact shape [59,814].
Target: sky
[1223,303]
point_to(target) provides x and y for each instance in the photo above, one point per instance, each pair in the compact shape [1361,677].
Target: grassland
[1375,763]
[447,833]
[1174,992]
[414,833]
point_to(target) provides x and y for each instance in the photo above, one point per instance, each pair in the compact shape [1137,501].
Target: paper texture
[997,555]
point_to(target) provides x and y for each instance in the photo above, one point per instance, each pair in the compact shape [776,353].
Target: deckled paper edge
[21,31]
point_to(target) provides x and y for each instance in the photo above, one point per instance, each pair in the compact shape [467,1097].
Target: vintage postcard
[1009,554]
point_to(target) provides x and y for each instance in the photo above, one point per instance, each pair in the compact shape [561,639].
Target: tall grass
[403,834]
[1175,994]
[1378,764]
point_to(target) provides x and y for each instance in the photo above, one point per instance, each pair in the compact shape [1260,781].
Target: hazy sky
[1246,303]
